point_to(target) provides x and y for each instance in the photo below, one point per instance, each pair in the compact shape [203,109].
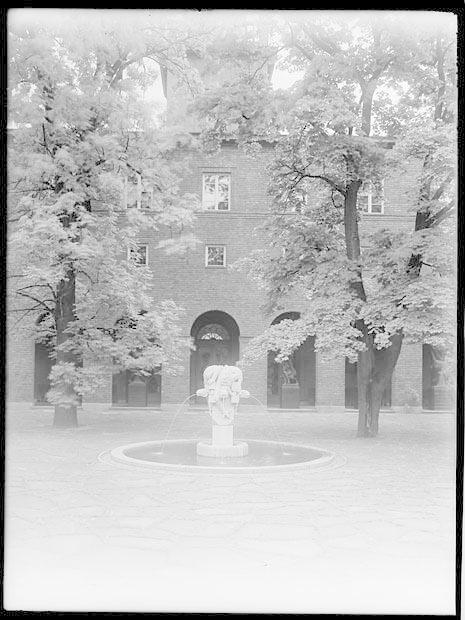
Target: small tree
[83,136]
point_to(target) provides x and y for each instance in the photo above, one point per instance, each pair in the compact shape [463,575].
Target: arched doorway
[216,339]
[351,388]
[303,360]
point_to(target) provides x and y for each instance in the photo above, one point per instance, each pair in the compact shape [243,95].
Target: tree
[83,139]
[363,297]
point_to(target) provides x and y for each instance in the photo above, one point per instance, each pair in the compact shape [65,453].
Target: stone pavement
[374,535]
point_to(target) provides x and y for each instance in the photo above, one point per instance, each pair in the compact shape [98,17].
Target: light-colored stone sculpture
[222,389]
[439,364]
[289,372]
[443,394]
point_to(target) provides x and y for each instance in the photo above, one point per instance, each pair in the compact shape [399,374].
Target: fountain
[223,391]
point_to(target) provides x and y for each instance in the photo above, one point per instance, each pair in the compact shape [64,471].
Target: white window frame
[139,191]
[215,245]
[140,245]
[217,175]
[369,193]
[148,191]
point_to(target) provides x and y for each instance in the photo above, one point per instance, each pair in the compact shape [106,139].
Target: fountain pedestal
[222,435]
[222,443]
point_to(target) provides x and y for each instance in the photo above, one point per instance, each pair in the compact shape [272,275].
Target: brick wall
[399,203]
[330,383]
[19,341]
[20,361]
[198,289]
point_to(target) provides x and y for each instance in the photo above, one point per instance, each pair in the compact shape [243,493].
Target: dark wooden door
[351,387]
[42,367]
[305,365]
[274,381]
[131,389]
[137,390]
[427,378]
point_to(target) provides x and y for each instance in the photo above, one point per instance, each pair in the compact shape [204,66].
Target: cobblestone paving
[375,535]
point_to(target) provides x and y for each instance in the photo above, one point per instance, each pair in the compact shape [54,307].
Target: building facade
[224,309]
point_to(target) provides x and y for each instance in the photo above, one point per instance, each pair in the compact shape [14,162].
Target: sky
[281,78]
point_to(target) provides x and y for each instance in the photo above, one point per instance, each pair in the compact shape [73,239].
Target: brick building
[223,308]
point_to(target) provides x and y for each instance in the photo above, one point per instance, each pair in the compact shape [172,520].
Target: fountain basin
[237,449]
[262,456]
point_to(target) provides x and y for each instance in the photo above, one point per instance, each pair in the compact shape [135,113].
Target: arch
[216,338]
[304,362]
[286,315]
[213,331]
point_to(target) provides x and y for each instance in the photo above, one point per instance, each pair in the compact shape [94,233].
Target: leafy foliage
[81,130]
[362,292]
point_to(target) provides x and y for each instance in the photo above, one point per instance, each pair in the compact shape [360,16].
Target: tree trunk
[364,379]
[65,416]
[377,391]
[65,413]
[368,91]
[374,368]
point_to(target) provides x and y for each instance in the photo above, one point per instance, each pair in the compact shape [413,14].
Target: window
[296,200]
[139,255]
[371,198]
[146,198]
[137,196]
[132,191]
[213,331]
[215,256]
[216,190]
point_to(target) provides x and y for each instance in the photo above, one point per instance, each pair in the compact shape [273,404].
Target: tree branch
[334,185]
[39,301]
[441,215]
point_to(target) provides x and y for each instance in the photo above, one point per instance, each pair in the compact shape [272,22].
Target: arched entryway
[351,388]
[216,339]
[303,361]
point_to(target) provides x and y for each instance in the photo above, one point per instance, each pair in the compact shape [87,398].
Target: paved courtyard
[374,534]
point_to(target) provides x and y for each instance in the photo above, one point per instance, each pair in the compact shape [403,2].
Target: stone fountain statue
[222,389]
[443,393]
